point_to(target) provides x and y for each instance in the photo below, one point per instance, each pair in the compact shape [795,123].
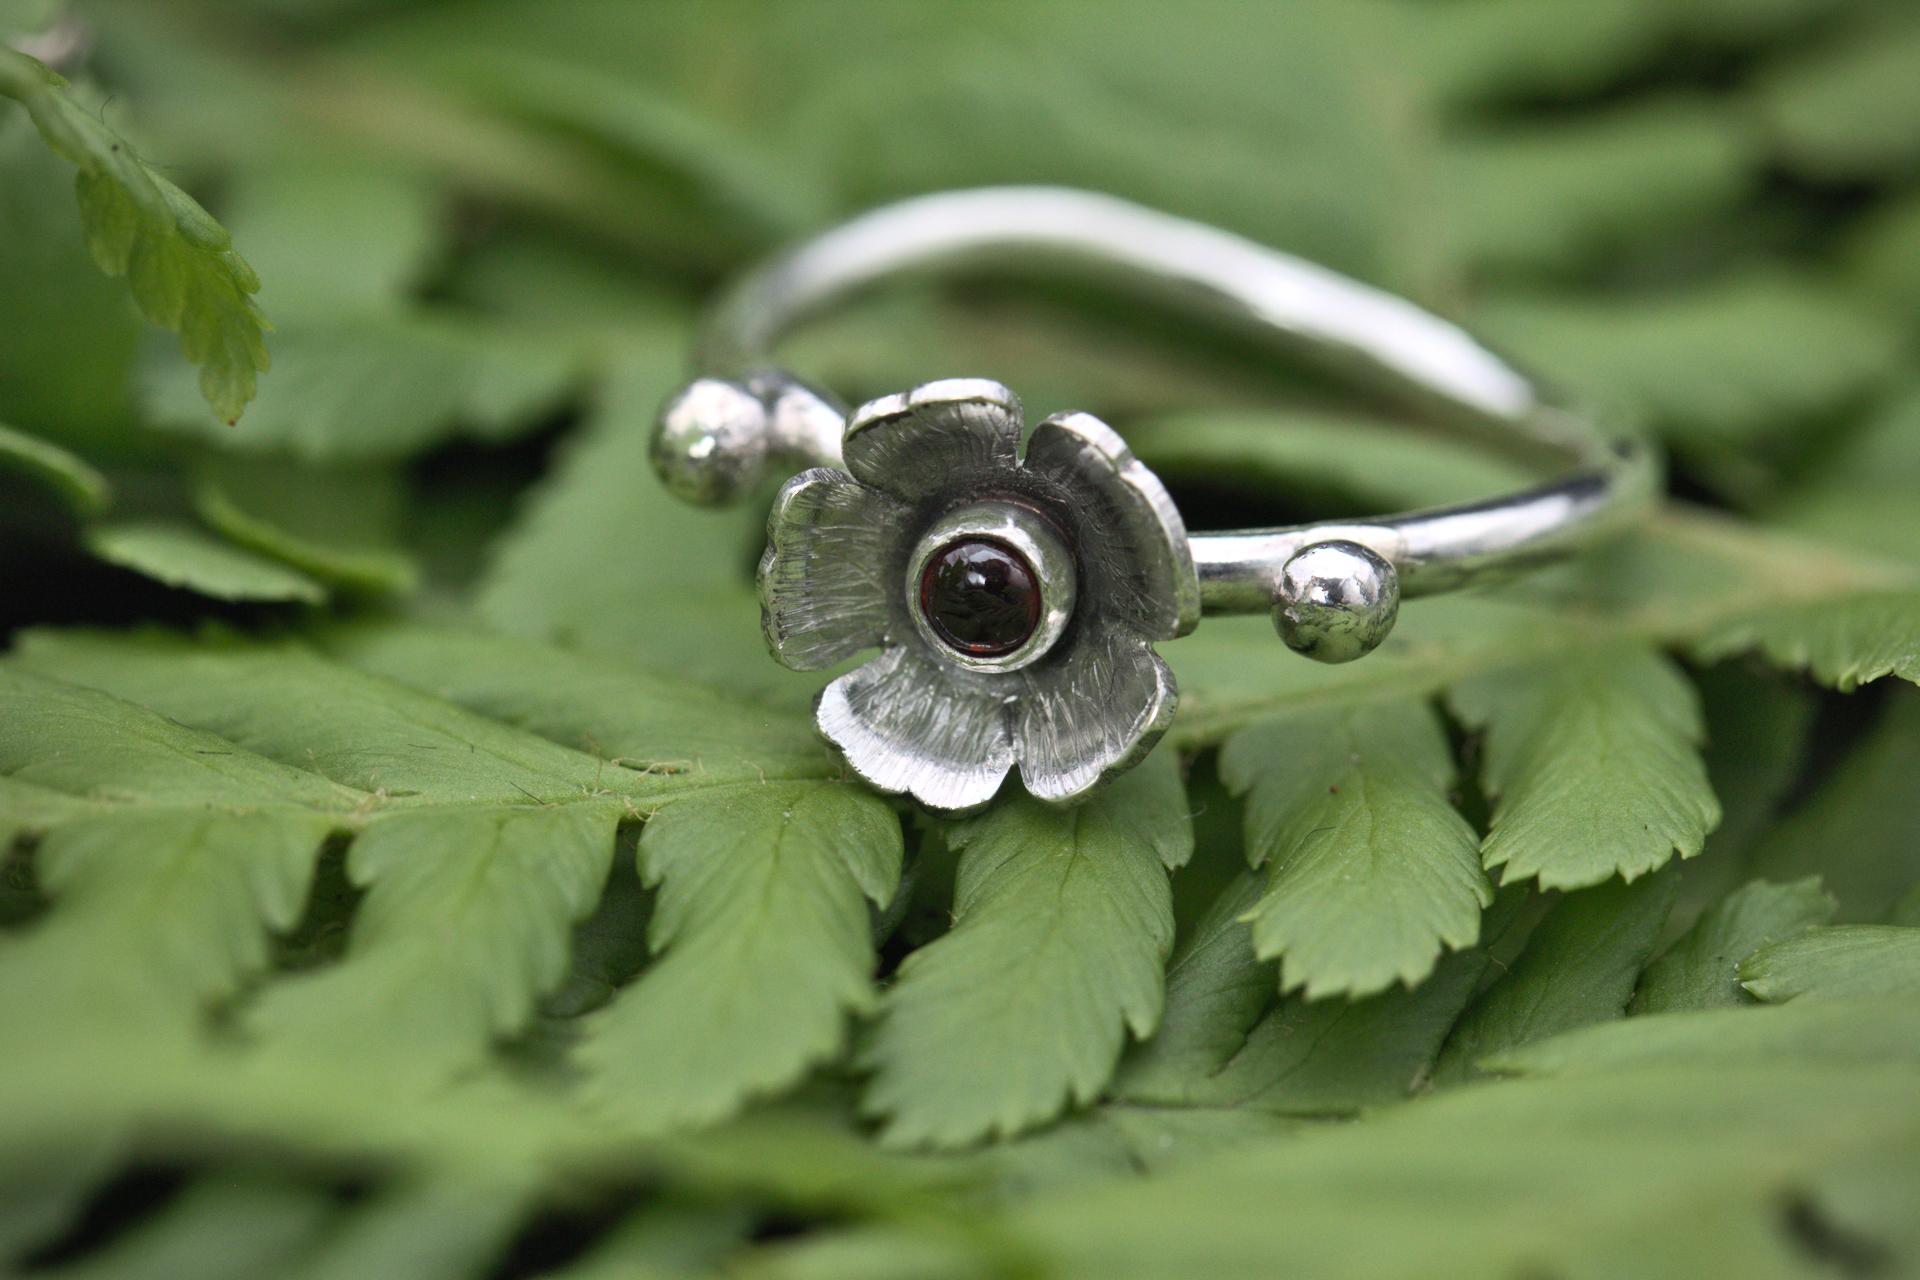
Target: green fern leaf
[1226,1041]
[764,948]
[84,488]
[551,579]
[1844,112]
[1859,1033]
[1557,195]
[1370,871]
[181,266]
[479,846]
[1718,369]
[385,386]
[1216,991]
[765,864]
[169,852]
[324,919]
[1621,1171]
[466,920]
[1580,966]
[1843,643]
[1702,969]
[1862,496]
[686,735]
[1061,921]
[339,527]
[182,556]
[1345,457]
[1844,962]
[219,1230]
[1593,766]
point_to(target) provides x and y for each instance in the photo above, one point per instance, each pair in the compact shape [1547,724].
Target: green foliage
[1227,1041]
[1702,969]
[1618,1172]
[83,487]
[382,387]
[410,863]
[766,950]
[1061,921]
[179,262]
[1365,788]
[554,579]
[1562,195]
[1843,643]
[464,922]
[1846,110]
[1843,962]
[1579,967]
[181,556]
[339,526]
[1593,768]
[73,335]
[1856,831]
[27,15]
[1724,370]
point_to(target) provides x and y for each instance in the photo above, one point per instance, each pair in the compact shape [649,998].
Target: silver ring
[1016,595]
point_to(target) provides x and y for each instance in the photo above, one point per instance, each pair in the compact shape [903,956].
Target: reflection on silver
[1094,696]
[1337,601]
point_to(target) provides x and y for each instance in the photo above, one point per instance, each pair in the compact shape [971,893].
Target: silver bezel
[1034,537]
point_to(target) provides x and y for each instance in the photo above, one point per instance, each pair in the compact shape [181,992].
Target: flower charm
[1015,601]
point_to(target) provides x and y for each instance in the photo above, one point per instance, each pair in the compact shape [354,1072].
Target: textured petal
[918,443]
[832,569]
[905,725]
[1094,712]
[1132,537]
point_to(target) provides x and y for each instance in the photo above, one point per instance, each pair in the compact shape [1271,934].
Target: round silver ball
[710,444]
[1337,601]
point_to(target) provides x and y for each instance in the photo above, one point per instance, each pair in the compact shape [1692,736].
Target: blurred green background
[473,219]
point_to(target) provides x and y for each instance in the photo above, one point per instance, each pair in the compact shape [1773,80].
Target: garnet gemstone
[980,596]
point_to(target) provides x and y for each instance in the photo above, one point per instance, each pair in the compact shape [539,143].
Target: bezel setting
[1034,539]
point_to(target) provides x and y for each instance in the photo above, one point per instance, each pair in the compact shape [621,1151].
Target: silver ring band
[1333,587]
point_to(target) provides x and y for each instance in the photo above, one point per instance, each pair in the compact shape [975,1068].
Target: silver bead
[1337,601]
[711,442]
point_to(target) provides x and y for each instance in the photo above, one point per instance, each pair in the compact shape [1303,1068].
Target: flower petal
[1092,714]
[905,725]
[918,443]
[832,569]
[1133,542]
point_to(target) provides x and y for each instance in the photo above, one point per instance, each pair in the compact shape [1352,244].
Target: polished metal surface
[840,547]
[1336,601]
[716,439]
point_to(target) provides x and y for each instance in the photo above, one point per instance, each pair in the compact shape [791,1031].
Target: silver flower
[1015,601]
